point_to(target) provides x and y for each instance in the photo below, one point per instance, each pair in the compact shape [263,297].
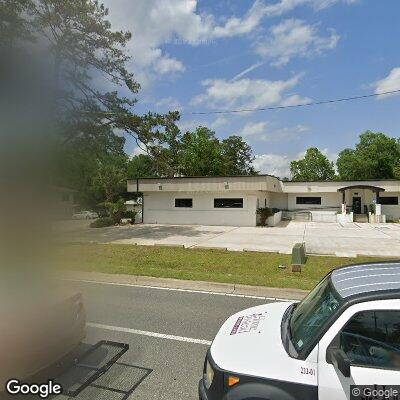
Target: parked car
[39,328]
[85,215]
[345,332]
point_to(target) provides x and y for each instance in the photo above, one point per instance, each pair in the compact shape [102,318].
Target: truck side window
[372,339]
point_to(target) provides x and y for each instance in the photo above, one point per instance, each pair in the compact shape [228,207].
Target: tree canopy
[315,166]
[376,156]
[197,153]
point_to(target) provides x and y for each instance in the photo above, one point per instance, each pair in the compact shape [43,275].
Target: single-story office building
[234,200]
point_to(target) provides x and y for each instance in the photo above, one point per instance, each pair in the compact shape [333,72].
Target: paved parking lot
[321,238]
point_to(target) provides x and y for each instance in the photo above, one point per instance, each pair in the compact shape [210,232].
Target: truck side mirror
[338,358]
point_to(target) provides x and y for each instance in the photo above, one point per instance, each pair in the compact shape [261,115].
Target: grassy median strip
[259,269]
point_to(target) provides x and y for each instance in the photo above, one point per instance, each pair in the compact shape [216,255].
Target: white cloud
[169,102]
[331,156]
[238,26]
[260,131]
[137,151]
[219,122]
[154,23]
[287,133]
[293,38]
[254,129]
[168,65]
[389,83]
[273,164]
[246,93]
[279,165]
[295,99]
[188,125]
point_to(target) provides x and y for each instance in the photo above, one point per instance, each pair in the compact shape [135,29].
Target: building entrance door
[357,205]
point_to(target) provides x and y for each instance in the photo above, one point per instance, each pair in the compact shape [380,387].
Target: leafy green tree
[376,156]
[78,162]
[81,45]
[201,153]
[142,166]
[166,152]
[237,156]
[14,27]
[315,166]
[110,179]
[396,170]
[115,209]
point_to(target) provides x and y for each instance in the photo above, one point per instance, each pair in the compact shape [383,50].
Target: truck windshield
[311,314]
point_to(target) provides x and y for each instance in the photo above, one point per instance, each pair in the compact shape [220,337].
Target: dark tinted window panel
[228,203]
[389,201]
[308,200]
[372,338]
[184,203]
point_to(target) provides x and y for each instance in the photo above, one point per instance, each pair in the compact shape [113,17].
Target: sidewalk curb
[195,286]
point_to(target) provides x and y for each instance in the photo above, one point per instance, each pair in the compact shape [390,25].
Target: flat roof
[366,278]
[209,176]
[263,175]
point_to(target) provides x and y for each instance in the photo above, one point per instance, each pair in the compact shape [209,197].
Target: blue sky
[209,55]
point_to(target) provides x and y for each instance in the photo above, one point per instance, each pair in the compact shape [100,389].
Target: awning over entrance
[375,189]
[370,187]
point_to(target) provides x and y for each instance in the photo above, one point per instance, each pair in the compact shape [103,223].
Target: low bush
[264,213]
[102,222]
[131,215]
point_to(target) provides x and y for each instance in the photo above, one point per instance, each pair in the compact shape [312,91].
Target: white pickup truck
[345,332]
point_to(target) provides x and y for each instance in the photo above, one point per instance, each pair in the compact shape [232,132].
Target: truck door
[370,342]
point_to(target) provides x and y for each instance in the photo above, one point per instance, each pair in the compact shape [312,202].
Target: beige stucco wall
[279,200]
[392,212]
[159,208]
[333,186]
[328,200]
[208,184]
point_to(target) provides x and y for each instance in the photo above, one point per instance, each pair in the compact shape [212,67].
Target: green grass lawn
[260,269]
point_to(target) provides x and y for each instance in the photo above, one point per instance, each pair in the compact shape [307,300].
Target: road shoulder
[188,285]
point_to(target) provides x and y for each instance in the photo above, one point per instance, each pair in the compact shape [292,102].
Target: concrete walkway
[347,240]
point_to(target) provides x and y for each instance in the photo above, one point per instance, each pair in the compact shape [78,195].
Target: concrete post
[343,202]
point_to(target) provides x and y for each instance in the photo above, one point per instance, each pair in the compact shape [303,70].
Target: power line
[310,104]
[248,110]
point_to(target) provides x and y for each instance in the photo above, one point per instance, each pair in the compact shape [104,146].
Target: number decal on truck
[307,371]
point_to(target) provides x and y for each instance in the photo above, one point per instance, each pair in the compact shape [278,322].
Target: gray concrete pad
[351,239]
[343,240]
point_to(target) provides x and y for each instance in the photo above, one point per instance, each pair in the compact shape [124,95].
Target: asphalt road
[168,333]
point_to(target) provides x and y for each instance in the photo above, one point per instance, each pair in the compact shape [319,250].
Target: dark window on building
[228,203]
[372,339]
[389,201]
[184,203]
[308,200]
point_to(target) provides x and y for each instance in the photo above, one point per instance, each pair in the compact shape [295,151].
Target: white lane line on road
[180,290]
[151,334]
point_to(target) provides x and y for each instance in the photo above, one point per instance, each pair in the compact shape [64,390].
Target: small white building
[234,200]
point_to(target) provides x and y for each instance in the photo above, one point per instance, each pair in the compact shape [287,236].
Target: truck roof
[363,279]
